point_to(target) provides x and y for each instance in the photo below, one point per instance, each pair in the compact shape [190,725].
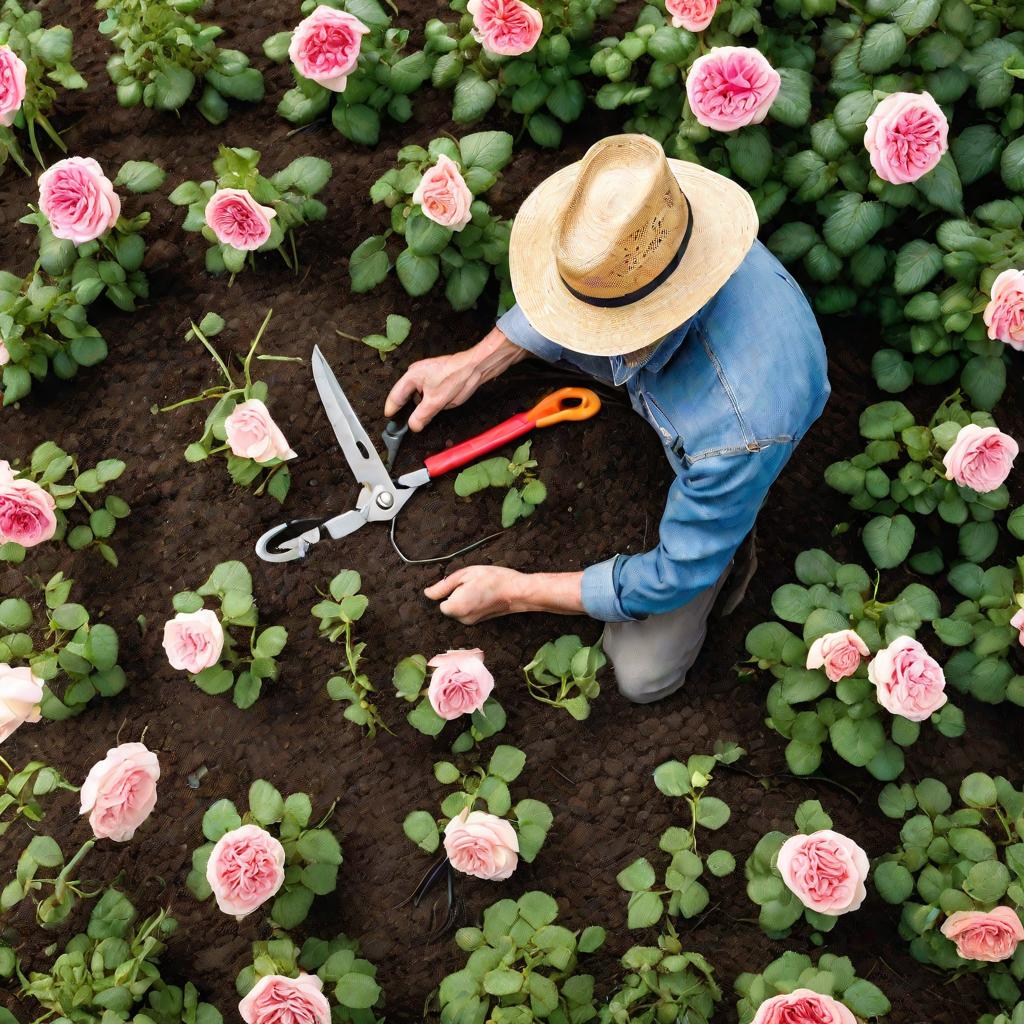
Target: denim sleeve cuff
[600,600]
[517,329]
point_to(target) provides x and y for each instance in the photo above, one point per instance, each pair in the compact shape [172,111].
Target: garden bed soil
[607,481]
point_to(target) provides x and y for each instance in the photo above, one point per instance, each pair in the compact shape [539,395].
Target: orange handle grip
[564,404]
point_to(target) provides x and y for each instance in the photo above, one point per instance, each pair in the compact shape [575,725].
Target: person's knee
[644,684]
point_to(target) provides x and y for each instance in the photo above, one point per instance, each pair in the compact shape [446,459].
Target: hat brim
[725,225]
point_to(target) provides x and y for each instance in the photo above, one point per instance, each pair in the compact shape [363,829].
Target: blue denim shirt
[730,393]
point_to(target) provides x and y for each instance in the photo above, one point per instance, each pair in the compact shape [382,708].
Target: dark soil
[607,481]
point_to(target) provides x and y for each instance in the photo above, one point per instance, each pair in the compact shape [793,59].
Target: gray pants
[652,656]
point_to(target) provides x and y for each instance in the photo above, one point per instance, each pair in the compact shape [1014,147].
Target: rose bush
[687,897]
[915,477]
[817,874]
[484,844]
[459,680]
[521,956]
[347,53]
[43,500]
[795,990]
[33,59]
[250,441]
[165,53]
[242,212]
[529,56]
[245,865]
[321,982]
[465,256]
[199,641]
[563,674]
[342,606]
[525,489]
[958,876]
[72,658]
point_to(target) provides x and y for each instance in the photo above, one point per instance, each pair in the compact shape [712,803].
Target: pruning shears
[381,498]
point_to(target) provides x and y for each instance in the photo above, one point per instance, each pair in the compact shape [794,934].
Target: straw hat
[613,252]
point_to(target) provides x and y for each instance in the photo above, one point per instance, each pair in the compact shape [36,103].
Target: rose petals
[907,680]
[482,845]
[325,47]
[12,85]
[825,870]
[238,220]
[252,433]
[193,641]
[905,136]
[509,28]
[444,196]
[27,511]
[119,793]
[78,200]
[731,87]
[246,868]
[460,683]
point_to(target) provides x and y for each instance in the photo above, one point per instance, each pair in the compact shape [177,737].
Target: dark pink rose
[26,510]
[12,85]
[276,999]
[802,1006]
[505,27]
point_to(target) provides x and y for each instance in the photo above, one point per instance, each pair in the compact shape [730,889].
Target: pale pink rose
[731,87]
[1004,314]
[825,870]
[838,654]
[482,845]
[980,458]
[193,640]
[1018,623]
[252,434]
[246,869]
[78,199]
[508,28]
[276,999]
[119,793]
[444,195]
[238,220]
[693,15]
[803,1006]
[12,85]
[325,47]
[905,136]
[908,681]
[5,356]
[460,684]
[989,936]
[20,694]
[26,510]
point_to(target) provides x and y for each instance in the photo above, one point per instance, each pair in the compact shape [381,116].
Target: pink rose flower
[26,510]
[731,87]
[838,654]
[1004,314]
[252,434]
[193,640]
[276,999]
[825,870]
[460,684]
[905,136]
[482,845]
[325,47]
[444,195]
[20,694]
[693,15]
[119,793]
[802,1006]
[238,220]
[12,85]
[78,200]
[508,28]
[246,869]
[981,458]
[989,936]
[1018,623]
[5,356]
[908,681]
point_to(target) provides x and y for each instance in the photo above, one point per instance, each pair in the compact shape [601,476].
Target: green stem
[252,348]
[209,393]
[213,352]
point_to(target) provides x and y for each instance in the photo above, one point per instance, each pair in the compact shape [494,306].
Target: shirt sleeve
[518,330]
[708,513]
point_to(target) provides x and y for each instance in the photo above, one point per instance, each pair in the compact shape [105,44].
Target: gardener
[645,273]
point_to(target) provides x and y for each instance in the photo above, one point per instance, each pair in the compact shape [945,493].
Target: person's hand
[443,382]
[478,592]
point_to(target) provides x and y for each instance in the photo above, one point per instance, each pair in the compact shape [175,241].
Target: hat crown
[624,221]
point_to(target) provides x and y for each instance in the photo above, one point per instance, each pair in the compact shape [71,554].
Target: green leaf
[358,991]
[265,802]
[490,150]
[506,763]
[645,909]
[418,274]
[888,540]
[865,999]
[421,828]
[305,174]
[221,818]
[140,176]
[319,846]
[852,223]
[638,876]
[369,264]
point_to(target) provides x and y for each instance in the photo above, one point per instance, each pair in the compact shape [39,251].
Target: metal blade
[362,457]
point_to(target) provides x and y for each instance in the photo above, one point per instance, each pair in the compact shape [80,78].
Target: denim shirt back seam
[726,386]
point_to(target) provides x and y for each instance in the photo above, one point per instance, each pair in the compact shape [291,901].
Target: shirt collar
[622,372]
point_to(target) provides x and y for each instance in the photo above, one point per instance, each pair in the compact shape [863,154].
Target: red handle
[468,451]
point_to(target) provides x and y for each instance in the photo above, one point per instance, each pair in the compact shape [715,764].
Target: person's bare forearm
[560,593]
[494,355]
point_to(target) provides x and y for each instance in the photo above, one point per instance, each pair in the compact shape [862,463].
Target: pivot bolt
[385,500]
